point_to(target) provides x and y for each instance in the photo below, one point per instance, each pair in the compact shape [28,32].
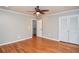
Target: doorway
[37,28]
[34,27]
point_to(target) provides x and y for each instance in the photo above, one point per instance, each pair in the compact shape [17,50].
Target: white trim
[50,38]
[39,22]
[11,11]
[75,10]
[14,41]
[59,28]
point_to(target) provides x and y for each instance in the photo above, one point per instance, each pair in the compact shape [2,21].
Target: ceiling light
[37,13]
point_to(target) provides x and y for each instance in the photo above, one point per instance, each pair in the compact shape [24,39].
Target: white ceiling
[52,9]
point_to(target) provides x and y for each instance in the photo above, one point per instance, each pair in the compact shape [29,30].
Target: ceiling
[52,9]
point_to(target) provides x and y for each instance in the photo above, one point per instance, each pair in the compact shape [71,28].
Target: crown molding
[11,11]
[68,11]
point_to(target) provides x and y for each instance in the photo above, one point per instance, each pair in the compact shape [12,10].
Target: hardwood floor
[41,45]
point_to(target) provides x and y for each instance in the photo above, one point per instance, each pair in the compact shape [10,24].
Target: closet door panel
[64,27]
[73,30]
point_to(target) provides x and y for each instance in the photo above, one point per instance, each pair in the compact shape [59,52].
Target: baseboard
[14,41]
[50,38]
[69,43]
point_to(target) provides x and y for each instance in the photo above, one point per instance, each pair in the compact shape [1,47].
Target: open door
[39,28]
[34,27]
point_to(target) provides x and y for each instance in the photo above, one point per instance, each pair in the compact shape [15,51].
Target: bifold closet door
[63,28]
[69,29]
[73,29]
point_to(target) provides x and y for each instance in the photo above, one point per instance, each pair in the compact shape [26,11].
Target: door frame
[32,26]
[41,28]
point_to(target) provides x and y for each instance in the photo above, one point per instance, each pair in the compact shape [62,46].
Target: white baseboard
[39,36]
[14,41]
[50,38]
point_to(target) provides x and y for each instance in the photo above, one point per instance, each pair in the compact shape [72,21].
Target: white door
[73,30]
[69,29]
[63,29]
[39,28]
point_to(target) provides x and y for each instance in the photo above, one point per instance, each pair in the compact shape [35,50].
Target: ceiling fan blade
[44,10]
[30,11]
[34,13]
[38,10]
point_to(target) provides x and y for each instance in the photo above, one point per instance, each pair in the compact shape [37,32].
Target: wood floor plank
[39,45]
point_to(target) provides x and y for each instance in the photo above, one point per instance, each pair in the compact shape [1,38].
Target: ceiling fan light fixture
[37,13]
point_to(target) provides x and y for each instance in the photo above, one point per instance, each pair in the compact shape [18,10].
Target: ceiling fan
[39,11]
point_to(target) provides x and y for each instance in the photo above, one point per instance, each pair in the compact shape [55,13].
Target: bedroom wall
[50,27]
[51,24]
[14,26]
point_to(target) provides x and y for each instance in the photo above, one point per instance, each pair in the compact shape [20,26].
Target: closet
[69,29]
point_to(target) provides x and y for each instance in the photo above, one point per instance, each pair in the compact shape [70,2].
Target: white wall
[50,27]
[51,24]
[14,26]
